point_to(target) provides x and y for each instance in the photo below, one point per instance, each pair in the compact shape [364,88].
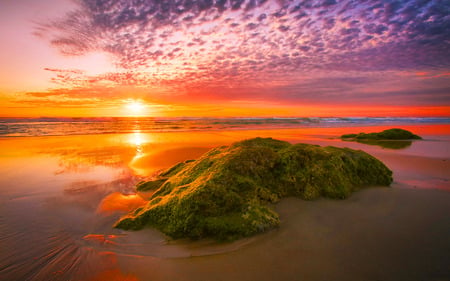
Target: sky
[224,58]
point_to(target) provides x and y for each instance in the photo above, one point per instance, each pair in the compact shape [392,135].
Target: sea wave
[49,126]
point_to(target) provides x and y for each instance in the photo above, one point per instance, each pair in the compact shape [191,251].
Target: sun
[135,108]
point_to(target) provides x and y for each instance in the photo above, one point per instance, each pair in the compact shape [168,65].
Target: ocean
[49,126]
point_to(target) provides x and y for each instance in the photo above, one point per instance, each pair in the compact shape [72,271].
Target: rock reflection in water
[119,202]
[390,144]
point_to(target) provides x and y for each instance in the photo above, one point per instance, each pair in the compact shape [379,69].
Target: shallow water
[60,195]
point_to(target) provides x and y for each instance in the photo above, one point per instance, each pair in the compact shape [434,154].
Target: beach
[60,195]
[226,140]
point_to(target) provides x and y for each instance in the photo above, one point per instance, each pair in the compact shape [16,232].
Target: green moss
[174,169]
[392,138]
[390,134]
[161,178]
[226,194]
[150,185]
[349,136]
[398,134]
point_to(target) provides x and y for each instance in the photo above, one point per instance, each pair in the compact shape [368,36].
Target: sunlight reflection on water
[138,140]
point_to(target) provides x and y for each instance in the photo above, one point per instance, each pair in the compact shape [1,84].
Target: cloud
[181,45]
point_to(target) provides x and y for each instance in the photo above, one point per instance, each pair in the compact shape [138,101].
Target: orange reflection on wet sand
[101,238]
[119,202]
[114,275]
[161,158]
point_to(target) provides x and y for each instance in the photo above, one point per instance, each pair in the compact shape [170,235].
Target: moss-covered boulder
[392,138]
[390,134]
[226,194]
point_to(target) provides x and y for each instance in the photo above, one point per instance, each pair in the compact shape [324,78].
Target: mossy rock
[390,134]
[392,138]
[226,194]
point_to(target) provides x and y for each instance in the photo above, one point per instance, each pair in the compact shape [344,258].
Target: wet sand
[59,197]
[377,234]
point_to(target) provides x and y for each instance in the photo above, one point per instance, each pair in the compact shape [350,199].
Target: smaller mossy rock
[226,194]
[390,134]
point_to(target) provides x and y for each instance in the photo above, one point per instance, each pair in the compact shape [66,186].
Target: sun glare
[135,108]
